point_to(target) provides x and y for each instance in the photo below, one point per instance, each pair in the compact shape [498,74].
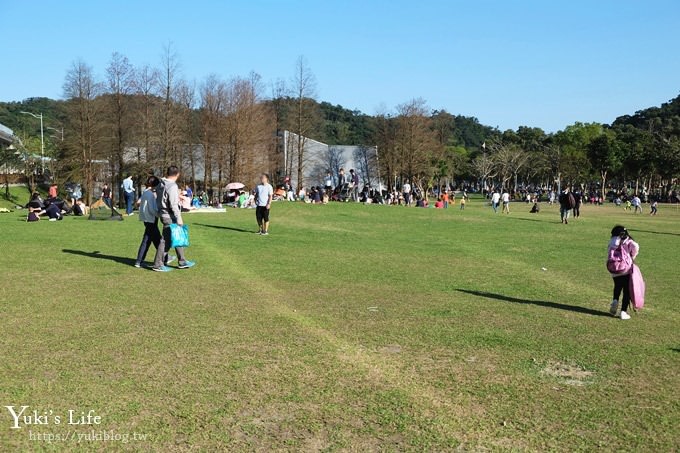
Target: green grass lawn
[349,328]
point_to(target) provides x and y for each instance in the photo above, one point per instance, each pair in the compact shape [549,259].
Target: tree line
[139,119]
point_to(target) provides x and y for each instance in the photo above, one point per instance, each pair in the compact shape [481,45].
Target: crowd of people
[162,201]
[54,208]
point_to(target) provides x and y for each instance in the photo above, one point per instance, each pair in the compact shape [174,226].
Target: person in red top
[445,199]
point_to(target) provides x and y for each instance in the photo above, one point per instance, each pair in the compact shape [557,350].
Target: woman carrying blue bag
[167,198]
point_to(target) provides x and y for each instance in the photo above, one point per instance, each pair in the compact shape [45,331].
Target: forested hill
[664,118]
[340,125]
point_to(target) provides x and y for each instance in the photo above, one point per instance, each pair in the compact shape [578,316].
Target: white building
[320,158]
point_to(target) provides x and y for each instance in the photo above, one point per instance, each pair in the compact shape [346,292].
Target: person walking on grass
[506,202]
[621,254]
[578,199]
[128,187]
[567,203]
[106,195]
[264,192]
[148,213]
[637,205]
[169,211]
[654,207]
[495,200]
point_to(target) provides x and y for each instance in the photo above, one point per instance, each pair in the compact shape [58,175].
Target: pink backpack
[619,260]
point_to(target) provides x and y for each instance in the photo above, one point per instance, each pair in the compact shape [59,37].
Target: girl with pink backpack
[622,251]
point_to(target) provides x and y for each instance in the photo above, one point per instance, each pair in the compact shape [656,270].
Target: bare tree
[212,121]
[416,144]
[484,167]
[384,137]
[366,158]
[249,129]
[187,128]
[306,114]
[170,133]
[146,84]
[84,122]
[510,159]
[120,85]
[280,102]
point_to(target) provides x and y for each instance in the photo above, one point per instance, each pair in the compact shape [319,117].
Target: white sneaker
[614,307]
[625,315]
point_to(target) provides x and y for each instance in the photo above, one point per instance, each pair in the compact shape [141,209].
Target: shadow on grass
[675,349]
[98,255]
[530,220]
[219,227]
[655,232]
[540,303]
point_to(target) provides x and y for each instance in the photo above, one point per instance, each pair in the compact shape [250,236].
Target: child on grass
[621,238]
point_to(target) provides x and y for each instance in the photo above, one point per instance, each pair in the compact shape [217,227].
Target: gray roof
[6,135]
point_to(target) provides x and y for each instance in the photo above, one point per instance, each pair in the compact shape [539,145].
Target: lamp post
[61,131]
[42,139]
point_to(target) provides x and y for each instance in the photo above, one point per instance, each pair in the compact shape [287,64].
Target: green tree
[605,157]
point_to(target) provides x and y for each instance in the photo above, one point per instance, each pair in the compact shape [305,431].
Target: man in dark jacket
[567,202]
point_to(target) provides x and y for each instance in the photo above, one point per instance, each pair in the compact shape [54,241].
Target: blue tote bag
[179,235]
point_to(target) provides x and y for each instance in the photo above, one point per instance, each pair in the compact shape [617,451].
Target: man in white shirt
[328,183]
[264,192]
[406,188]
[637,204]
[506,202]
[129,190]
[495,199]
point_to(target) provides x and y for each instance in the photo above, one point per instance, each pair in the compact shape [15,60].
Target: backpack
[619,260]
[571,201]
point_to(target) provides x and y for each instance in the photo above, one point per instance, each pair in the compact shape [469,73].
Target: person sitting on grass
[35,207]
[536,208]
[421,202]
[80,208]
[242,200]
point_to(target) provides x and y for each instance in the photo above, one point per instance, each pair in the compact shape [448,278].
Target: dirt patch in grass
[390,349]
[570,374]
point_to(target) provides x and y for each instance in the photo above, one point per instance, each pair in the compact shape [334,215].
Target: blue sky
[509,63]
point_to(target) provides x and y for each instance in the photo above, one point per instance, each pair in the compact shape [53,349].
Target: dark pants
[107,201]
[130,202]
[152,235]
[577,210]
[262,215]
[622,283]
[164,248]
